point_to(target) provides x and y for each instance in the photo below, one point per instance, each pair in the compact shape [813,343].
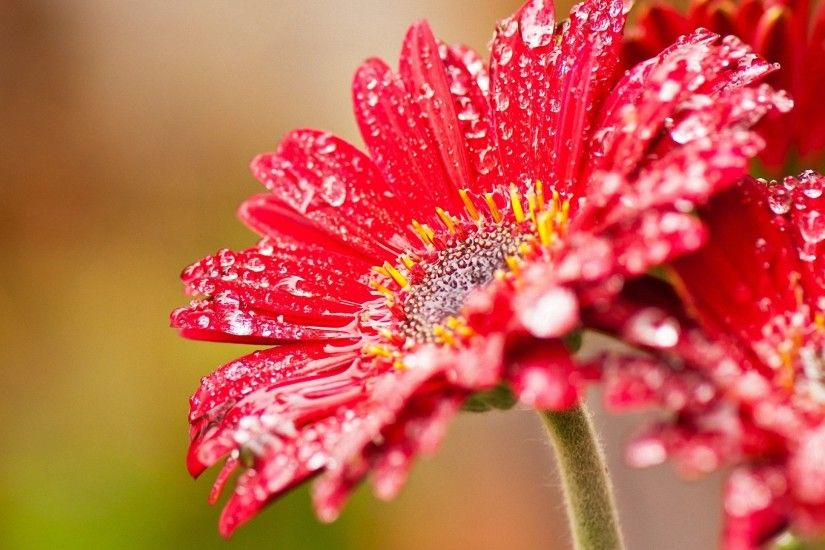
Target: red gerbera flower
[748,385]
[393,286]
[782,31]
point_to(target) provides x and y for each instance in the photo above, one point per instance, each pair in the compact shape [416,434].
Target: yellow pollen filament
[458,325]
[422,232]
[523,249]
[407,261]
[452,322]
[381,271]
[819,320]
[398,364]
[564,215]
[444,335]
[386,333]
[531,205]
[515,204]
[468,204]
[539,195]
[383,290]
[374,350]
[513,264]
[446,219]
[491,205]
[545,228]
[396,275]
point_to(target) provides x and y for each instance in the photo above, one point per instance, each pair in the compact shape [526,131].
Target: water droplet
[536,25]
[505,54]
[779,200]
[333,191]
[812,226]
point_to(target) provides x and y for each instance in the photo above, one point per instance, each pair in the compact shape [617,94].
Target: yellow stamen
[446,219]
[523,249]
[468,204]
[407,261]
[452,322]
[493,207]
[383,290]
[458,325]
[513,264]
[422,233]
[564,215]
[531,205]
[819,320]
[396,275]
[381,271]
[515,204]
[444,335]
[545,228]
[398,364]
[377,351]
[386,334]
[539,195]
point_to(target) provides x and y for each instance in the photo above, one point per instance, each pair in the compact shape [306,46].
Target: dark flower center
[453,273]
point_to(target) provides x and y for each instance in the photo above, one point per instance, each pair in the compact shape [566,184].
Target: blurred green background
[125,133]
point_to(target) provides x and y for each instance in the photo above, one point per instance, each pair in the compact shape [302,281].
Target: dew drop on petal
[812,226]
[779,200]
[537,25]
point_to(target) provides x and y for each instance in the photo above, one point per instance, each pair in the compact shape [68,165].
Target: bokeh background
[125,132]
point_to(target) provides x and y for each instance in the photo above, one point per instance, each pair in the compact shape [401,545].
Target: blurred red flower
[747,383]
[782,31]
[395,286]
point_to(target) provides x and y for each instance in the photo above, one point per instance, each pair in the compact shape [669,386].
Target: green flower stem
[588,491]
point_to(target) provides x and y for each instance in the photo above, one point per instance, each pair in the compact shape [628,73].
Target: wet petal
[400,142]
[581,76]
[331,183]
[468,80]
[523,52]
[424,76]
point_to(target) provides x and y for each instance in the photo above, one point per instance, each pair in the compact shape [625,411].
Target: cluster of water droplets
[801,200]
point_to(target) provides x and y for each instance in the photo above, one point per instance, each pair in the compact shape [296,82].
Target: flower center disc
[452,273]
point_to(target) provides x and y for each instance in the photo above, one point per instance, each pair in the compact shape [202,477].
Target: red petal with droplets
[469,85]
[286,229]
[331,183]
[423,74]
[580,77]
[400,142]
[522,54]
[310,286]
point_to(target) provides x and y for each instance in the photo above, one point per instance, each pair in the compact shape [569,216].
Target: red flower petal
[335,418]
[580,77]
[522,53]
[287,229]
[548,379]
[400,143]
[337,187]
[469,85]
[311,287]
[223,388]
[754,508]
[227,319]
[424,76]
